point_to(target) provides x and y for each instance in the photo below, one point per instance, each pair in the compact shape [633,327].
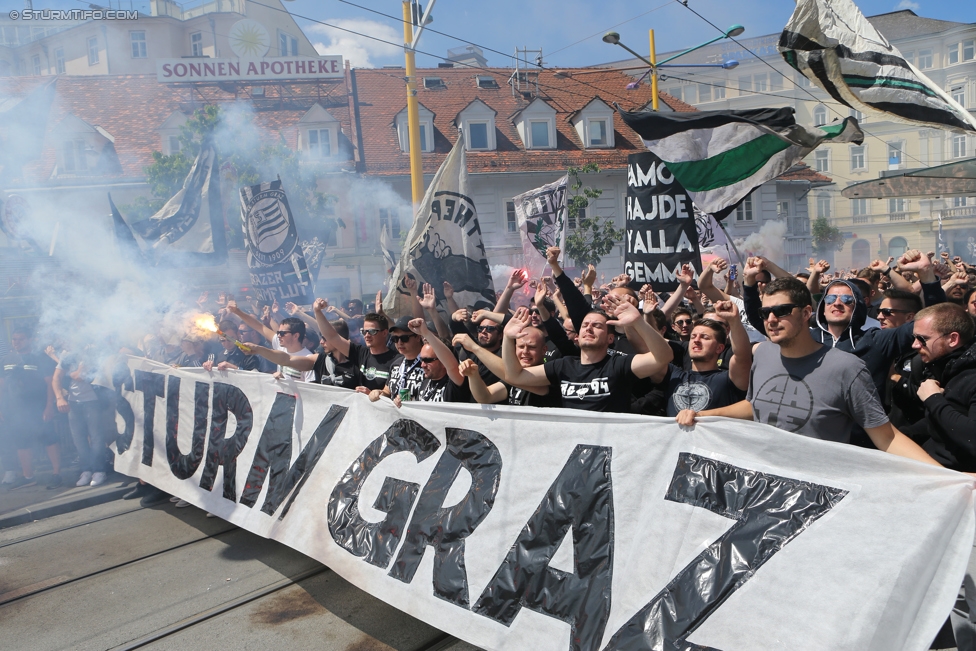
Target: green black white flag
[838,49]
[719,157]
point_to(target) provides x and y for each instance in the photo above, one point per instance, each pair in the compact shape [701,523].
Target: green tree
[594,237]
[826,238]
[241,153]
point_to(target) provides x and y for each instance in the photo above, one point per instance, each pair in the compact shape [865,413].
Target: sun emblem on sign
[249,39]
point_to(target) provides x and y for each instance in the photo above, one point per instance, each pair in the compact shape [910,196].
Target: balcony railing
[955,213]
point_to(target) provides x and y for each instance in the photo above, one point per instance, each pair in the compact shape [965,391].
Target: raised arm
[576,303]
[684,282]
[481,392]
[429,303]
[750,293]
[452,305]
[515,282]
[776,270]
[741,363]
[299,313]
[251,322]
[534,376]
[334,338]
[492,362]
[915,260]
[706,282]
[283,358]
[444,354]
[659,353]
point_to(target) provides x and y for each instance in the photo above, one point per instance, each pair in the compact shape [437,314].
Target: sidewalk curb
[66,504]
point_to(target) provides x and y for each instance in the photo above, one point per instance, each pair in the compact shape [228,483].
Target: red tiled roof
[133,107]
[382,95]
[803,172]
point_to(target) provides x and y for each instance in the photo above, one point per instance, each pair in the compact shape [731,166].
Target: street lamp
[613,38]
[726,65]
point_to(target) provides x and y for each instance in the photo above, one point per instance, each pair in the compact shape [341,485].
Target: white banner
[566,529]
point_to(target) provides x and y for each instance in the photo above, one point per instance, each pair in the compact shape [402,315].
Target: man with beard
[489,334]
[530,350]
[898,307]
[407,372]
[595,381]
[443,381]
[800,385]
[373,360]
[956,287]
[706,386]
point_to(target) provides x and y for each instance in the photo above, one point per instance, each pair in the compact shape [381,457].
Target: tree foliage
[246,160]
[826,237]
[593,237]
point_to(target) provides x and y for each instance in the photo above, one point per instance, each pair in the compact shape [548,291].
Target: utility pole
[412,16]
[654,104]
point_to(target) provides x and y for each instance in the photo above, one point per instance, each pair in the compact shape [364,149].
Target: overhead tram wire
[788,77]
[603,31]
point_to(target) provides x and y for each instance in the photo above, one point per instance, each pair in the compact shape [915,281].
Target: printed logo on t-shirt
[783,402]
[692,395]
[372,373]
[596,388]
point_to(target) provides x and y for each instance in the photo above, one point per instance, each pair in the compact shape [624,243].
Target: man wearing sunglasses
[373,359]
[407,372]
[443,381]
[802,386]
[290,338]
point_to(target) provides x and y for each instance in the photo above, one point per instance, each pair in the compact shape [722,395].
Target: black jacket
[950,417]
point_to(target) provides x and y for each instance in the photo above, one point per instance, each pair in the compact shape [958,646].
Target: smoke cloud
[768,242]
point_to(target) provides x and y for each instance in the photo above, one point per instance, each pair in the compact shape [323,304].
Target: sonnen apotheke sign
[272,69]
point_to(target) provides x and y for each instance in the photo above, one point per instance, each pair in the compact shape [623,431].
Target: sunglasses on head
[370,331]
[428,360]
[888,311]
[487,328]
[779,311]
[401,339]
[846,299]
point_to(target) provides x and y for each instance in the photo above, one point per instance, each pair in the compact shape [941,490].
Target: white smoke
[768,242]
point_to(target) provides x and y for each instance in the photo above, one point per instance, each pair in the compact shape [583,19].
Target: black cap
[401,324]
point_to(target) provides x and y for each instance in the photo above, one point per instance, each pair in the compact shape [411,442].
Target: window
[802,81]
[783,208]
[821,159]
[319,143]
[690,94]
[925,59]
[73,153]
[859,210]
[287,45]
[820,115]
[857,115]
[36,64]
[718,92]
[823,206]
[92,50]
[897,247]
[511,219]
[897,205]
[539,134]
[59,60]
[760,83]
[958,146]
[857,158]
[175,146]
[968,50]
[196,44]
[959,202]
[745,85]
[704,93]
[423,138]
[138,42]
[486,82]
[390,220]
[743,213]
[958,93]
[598,133]
[434,83]
[775,81]
[894,155]
[478,135]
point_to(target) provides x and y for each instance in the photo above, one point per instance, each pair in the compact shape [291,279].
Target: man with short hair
[443,381]
[373,359]
[330,367]
[802,386]
[290,338]
[230,357]
[407,372]
[530,350]
[489,335]
[27,411]
[897,308]
[595,381]
[682,321]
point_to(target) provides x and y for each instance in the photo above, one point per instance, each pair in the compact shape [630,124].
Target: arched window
[820,115]
[897,246]
[860,253]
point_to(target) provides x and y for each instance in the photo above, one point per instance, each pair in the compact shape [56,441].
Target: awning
[957,178]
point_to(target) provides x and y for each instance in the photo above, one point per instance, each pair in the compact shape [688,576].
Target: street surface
[119,576]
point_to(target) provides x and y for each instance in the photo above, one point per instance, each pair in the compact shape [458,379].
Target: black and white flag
[189,229]
[444,243]
[274,254]
[542,220]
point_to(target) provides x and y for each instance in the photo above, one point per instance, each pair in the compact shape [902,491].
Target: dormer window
[170,131]
[477,122]
[84,149]
[594,124]
[426,130]
[485,81]
[74,157]
[434,83]
[318,134]
[536,125]
[319,143]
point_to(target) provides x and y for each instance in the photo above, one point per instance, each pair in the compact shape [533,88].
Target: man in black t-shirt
[26,408]
[531,351]
[706,386]
[406,372]
[373,359]
[330,367]
[596,381]
[230,356]
[443,381]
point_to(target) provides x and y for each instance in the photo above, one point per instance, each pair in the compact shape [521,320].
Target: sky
[569,32]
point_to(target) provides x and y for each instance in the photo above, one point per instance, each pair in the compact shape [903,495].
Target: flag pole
[654,104]
[728,238]
[413,112]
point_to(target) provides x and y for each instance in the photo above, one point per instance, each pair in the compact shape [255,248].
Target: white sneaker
[98,479]
[174,499]
[182,504]
[85,479]
[9,477]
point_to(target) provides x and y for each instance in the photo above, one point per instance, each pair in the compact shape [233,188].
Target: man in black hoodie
[842,311]
[946,386]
